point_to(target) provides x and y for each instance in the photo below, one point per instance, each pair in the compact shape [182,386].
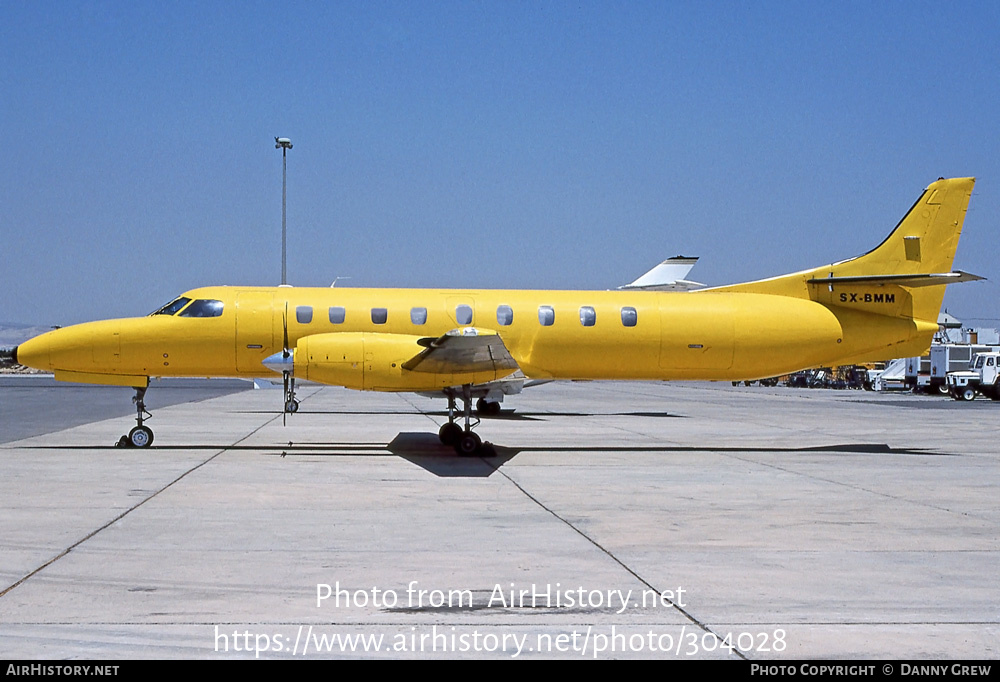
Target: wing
[667,276]
[463,350]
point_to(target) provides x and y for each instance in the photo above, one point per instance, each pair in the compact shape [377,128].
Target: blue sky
[479,144]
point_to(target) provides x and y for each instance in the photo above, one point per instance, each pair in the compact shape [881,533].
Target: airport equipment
[891,378]
[952,357]
[284,144]
[917,377]
[981,378]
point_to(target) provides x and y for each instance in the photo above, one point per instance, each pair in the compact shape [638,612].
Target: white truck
[952,357]
[981,378]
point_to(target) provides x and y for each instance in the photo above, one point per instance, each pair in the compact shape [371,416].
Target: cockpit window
[173,306]
[203,308]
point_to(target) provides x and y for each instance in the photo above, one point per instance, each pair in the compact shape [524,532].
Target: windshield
[203,308]
[172,307]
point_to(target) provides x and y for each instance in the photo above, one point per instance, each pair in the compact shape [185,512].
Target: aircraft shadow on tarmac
[505,415]
[426,451]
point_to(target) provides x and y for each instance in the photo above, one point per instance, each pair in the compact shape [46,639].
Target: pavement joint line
[850,486]
[125,513]
[687,614]
[485,623]
[406,399]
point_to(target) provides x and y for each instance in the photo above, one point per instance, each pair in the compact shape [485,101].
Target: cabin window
[989,362]
[304,314]
[505,315]
[546,315]
[463,314]
[380,315]
[418,315]
[587,316]
[203,308]
[629,317]
[173,306]
[337,314]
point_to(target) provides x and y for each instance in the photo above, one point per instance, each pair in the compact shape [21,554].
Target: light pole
[284,144]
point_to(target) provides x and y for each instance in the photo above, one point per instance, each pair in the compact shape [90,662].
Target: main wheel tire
[140,437]
[468,444]
[450,433]
[292,406]
[487,407]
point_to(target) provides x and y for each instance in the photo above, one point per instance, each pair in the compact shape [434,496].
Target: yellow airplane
[484,344]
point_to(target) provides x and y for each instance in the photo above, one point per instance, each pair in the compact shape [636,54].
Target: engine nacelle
[372,362]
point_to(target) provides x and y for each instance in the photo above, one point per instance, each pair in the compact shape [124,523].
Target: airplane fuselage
[569,335]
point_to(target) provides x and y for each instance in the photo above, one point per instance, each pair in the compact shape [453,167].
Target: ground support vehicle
[981,378]
[952,357]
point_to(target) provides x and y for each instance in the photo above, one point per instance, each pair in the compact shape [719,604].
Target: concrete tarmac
[618,520]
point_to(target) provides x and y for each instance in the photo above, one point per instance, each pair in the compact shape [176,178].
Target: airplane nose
[87,347]
[34,352]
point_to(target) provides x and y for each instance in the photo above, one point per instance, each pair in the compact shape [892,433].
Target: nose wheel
[141,436]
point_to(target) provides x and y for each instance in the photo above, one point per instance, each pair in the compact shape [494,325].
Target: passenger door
[255,332]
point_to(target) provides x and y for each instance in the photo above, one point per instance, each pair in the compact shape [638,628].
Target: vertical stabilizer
[908,270]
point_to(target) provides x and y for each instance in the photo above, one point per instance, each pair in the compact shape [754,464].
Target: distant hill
[12,334]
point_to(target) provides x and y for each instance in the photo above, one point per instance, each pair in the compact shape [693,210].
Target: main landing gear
[141,436]
[465,441]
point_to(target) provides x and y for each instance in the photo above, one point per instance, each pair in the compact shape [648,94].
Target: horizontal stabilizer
[912,280]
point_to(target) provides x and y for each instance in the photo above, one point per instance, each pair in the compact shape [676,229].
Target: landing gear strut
[141,436]
[465,441]
[291,404]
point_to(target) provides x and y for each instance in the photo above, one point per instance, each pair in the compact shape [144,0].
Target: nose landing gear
[140,436]
[291,403]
